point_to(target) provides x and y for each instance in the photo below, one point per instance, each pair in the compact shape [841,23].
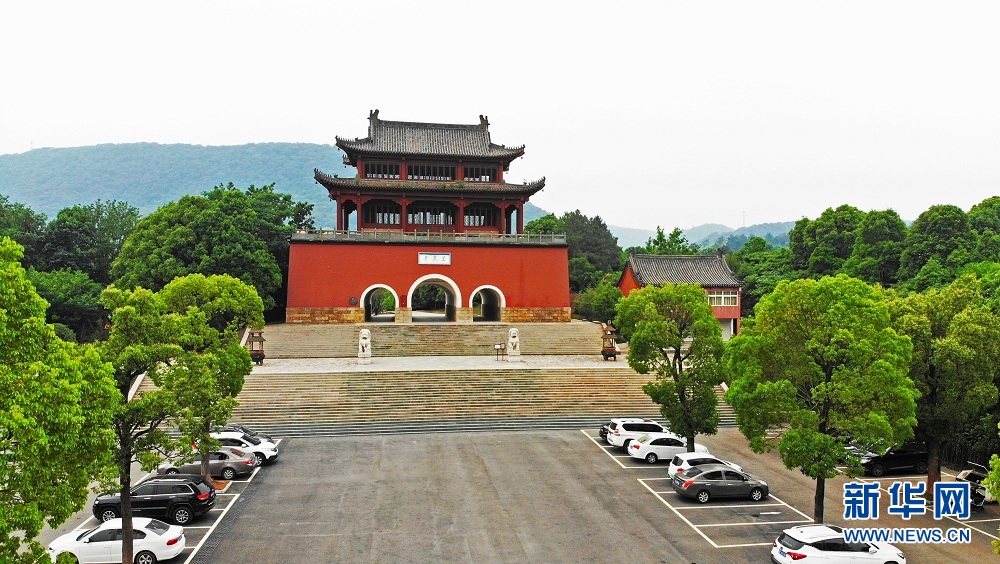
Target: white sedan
[660,446]
[154,541]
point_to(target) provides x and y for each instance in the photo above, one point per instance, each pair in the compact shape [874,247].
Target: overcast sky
[645,113]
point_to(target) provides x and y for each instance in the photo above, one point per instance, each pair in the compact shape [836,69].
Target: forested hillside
[149,175]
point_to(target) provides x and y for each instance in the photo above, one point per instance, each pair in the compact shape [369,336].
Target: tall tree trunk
[818,500]
[125,479]
[933,463]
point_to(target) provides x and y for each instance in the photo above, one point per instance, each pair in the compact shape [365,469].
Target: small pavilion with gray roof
[711,272]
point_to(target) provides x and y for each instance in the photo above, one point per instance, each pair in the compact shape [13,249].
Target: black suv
[178,497]
[910,456]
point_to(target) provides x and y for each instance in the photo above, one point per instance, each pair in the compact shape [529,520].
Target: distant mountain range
[149,175]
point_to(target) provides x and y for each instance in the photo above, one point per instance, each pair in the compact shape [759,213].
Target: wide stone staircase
[429,339]
[346,399]
[366,402]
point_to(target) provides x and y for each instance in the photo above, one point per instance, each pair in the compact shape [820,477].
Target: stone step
[429,339]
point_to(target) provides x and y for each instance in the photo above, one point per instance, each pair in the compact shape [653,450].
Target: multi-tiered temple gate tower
[429,206]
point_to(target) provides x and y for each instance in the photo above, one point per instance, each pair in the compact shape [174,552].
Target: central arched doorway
[487,303]
[434,298]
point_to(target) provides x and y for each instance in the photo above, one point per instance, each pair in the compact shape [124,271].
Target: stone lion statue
[365,346]
[513,345]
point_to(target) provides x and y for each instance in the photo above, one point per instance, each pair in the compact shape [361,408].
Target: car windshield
[87,532]
[252,440]
[643,439]
[157,526]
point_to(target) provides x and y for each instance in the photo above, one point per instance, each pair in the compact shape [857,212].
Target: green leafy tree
[984,220]
[583,274]
[598,303]
[942,233]
[206,388]
[590,238]
[673,334]
[87,238]
[956,347]
[761,267]
[674,244]
[74,301]
[818,362]
[24,226]
[802,242]
[185,340]
[545,225]
[55,417]
[875,257]
[225,231]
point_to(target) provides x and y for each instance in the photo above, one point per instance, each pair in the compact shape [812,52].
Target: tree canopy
[820,361]
[673,334]
[225,231]
[55,416]
[956,348]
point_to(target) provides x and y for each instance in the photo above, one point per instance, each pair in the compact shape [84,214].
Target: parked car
[977,475]
[238,427]
[241,453]
[223,464]
[178,497]
[684,460]
[153,540]
[603,432]
[623,431]
[660,446]
[718,480]
[265,451]
[909,457]
[825,543]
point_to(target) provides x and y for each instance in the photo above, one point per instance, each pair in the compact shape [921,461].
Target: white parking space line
[706,506]
[754,524]
[682,518]
[614,457]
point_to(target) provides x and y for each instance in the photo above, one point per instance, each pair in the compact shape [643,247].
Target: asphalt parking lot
[532,496]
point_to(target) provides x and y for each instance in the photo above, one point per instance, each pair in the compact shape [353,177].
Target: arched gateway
[431,208]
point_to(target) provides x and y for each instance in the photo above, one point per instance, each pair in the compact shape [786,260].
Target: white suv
[623,431]
[264,451]
[826,543]
[684,460]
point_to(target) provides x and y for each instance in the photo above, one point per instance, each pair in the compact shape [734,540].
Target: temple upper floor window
[430,172]
[382,170]
[723,298]
[480,174]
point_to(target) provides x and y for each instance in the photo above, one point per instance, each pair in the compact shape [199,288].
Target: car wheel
[172,471]
[107,514]
[878,469]
[651,458]
[921,467]
[260,458]
[756,494]
[704,496]
[181,515]
[625,444]
[228,473]
[70,557]
[145,557]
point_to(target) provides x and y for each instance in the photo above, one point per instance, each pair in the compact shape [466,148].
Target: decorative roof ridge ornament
[484,121]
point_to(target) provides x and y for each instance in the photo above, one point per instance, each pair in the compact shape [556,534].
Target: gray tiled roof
[403,138]
[416,186]
[708,271]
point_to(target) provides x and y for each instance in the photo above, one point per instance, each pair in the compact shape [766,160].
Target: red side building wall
[329,275]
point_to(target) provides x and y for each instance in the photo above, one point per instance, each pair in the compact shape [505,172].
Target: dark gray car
[718,480]
[221,464]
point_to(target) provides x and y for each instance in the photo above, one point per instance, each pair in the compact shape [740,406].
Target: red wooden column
[520,218]
[503,217]
[403,224]
[460,220]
